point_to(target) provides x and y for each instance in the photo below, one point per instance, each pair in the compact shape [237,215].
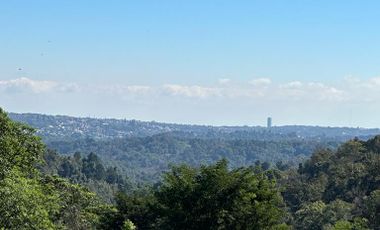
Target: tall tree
[19,147]
[214,197]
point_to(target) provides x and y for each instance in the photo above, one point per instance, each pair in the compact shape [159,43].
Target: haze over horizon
[214,63]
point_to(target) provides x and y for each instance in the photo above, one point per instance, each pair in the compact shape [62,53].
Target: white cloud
[260,82]
[356,83]
[292,85]
[194,91]
[121,89]
[325,93]
[374,83]
[26,84]
[224,81]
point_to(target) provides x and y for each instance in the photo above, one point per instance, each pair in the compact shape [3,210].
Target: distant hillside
[58,127]
[144,157]
[142,150]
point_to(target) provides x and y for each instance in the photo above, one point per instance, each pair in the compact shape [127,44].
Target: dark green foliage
[280,165]
[139,207]
[77,207]
[213,197]
[209,197]
[372,208]
[373,145]
[33,201]
[144,158]
[336,188]
[88,171]
[93,168]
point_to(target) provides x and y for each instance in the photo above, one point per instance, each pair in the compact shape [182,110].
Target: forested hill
[142,150]
[57,127]
[144,158]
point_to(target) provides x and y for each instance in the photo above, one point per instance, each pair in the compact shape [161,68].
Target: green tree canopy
[209,197]
[19,147]
[29,200]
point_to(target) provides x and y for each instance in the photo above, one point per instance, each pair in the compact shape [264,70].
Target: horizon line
[190,124]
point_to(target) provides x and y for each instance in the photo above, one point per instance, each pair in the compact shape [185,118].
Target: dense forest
[88,171]
[338,187]
[143,150]
[143,159]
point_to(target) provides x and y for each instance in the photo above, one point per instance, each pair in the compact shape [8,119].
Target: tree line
[143,159]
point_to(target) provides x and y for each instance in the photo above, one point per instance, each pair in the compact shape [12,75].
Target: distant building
[269,122]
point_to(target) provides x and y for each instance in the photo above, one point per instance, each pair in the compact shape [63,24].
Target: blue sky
[208,62]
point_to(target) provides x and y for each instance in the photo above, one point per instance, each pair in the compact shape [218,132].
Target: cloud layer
[26,85]
[349,89]
[307,102]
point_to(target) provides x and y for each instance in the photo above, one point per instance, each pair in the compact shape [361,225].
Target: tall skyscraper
[269,122]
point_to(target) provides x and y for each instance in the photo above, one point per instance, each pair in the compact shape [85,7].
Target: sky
[211,62]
